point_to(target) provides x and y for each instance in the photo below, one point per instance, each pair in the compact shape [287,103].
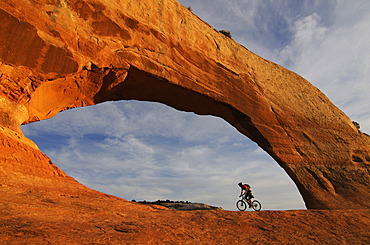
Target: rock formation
[181,205]
[61,54]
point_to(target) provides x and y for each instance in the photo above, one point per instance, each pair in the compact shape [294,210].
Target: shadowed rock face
[57,55]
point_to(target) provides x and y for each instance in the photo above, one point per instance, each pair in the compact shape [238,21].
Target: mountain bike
[244,202]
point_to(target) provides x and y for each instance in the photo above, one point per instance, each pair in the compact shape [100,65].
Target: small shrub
[357,125]
[226,33]
[190,9]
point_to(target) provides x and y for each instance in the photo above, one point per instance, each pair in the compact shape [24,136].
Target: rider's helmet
[240,183]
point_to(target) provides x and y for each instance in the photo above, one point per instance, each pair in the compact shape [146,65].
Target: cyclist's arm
[241,193]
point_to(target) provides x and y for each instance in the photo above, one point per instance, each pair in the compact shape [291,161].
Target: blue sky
[148,151]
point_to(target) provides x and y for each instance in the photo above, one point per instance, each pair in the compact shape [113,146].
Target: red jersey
[245,187]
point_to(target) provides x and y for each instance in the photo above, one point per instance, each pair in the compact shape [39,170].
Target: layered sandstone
[57,55]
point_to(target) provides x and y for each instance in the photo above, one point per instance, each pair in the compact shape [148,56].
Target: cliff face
[57,55]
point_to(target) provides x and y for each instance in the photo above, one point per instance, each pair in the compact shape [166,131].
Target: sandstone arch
[87,52]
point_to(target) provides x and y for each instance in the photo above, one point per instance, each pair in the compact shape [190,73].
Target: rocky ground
[33,215]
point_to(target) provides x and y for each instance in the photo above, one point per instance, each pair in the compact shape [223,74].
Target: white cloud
[120,119]
[307,33]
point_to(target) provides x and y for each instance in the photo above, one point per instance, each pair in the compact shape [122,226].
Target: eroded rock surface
[57,55]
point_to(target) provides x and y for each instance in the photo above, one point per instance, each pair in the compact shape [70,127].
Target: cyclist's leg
[248,197]
[248,200]
[245,196]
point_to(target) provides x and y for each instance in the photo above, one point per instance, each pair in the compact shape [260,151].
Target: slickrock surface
[37,209]
[34,216]
[61,54]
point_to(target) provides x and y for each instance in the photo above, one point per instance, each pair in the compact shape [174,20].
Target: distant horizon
[148,151]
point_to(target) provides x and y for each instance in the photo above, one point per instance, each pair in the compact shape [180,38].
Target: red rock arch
[173,57]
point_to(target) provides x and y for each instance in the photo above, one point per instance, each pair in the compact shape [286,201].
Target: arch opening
[149,151]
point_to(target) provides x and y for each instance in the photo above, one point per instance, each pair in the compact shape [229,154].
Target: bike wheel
[256,205]
[241,205]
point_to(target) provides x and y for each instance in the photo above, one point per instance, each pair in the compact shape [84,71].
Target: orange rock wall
[57,55]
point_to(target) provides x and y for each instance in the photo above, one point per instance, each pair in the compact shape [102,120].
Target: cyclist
[247,191]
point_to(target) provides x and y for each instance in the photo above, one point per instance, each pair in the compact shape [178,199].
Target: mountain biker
[246,190]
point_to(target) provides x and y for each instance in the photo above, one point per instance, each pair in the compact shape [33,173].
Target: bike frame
[254,204]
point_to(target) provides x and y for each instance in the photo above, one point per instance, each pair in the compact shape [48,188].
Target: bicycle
[244,202]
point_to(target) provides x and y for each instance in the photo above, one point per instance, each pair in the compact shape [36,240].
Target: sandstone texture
[61,54]
[63,213]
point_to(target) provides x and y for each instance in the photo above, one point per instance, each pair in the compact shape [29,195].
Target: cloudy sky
[148,151]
